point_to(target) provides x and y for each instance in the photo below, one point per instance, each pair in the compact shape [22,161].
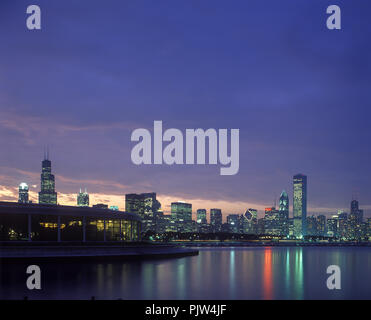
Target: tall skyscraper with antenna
[300,205]
[83,199]
[47,195]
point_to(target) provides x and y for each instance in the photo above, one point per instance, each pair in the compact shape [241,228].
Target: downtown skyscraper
[300,205]
[216,220]
[355,220]
[145,205]
[23,193]
[251,217]
[47,195]
[201,216]
[83,199]
[284,213]
[181,213]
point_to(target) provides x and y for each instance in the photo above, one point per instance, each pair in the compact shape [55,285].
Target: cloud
[31,128]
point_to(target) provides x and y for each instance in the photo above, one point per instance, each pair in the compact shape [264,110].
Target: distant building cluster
[343,226]
[276,222]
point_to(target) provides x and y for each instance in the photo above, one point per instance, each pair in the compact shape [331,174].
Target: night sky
[299,93]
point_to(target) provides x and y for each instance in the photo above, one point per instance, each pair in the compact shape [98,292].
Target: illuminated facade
[272,221]
[47,195]
[216,220]
[181,212]
[332,226]
[251,214]
[244,224]
[233,221]
[23,193]
[146,206]
[283,210]
[83,199]
[300,205]
[201,216]
[32,222]
[355,221]
[250,224]
[342,225]
[202,226]
[321,225]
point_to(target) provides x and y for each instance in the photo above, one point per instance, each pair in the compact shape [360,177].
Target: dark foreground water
[217,273]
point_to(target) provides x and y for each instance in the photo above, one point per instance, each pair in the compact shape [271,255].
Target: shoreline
[67,253]
[273,244]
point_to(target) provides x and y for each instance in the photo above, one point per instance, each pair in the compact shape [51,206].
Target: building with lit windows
[342,225]
[202,225]
[250,224]
[312,226]
[321,225]
[146,206]
[332,226]
[243,224]
[261,226]
[23,193]
[201,216]
[300,205]
[47,195]
[272,224]
[216,220]
[182,214]
[83,199]
[283,210]
[163,223]
[233,221]
[355,221]
[51,223]
[356,212]
[368,228]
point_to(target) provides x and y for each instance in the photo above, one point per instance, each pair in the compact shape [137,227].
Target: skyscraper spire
[46,152]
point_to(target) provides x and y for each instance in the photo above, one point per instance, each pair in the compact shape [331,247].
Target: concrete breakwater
[89,253]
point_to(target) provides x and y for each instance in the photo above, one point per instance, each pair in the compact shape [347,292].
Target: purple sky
[299,93]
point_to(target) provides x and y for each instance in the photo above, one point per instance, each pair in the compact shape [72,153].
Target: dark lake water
[216,273]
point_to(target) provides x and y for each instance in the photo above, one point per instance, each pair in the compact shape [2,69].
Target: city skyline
[82,198]
[276,222]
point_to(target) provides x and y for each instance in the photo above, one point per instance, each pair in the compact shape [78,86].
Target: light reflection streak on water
[232,273]
[298,275]
[267,274]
